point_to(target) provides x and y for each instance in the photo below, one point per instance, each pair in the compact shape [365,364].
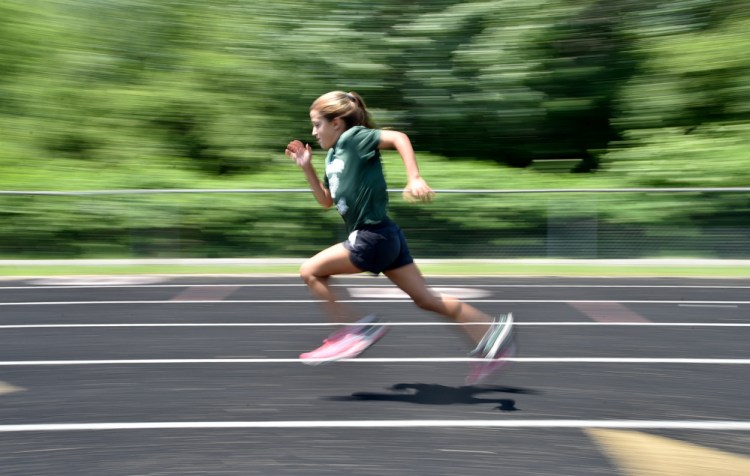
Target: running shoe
[482,370]
[347,343]
[497,336]
[497,344]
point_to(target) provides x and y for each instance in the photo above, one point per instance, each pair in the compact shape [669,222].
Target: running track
[198,376]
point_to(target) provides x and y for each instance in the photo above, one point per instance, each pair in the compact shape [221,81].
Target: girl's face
[325,131]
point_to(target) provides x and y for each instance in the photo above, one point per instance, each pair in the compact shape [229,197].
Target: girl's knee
[307,271]
[310,272]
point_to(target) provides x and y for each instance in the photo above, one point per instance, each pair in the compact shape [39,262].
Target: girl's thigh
[331,261]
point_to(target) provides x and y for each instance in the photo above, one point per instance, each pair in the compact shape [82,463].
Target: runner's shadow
[433,394]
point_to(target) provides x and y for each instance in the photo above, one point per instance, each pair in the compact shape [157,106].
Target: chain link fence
[590,224]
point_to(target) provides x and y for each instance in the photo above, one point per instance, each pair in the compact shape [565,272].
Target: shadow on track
[434,394]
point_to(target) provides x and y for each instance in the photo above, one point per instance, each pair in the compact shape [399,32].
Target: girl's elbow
[402,141]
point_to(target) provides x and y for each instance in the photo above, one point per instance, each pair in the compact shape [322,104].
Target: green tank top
[354,176]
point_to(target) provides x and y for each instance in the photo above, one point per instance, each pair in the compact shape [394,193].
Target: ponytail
[350,107]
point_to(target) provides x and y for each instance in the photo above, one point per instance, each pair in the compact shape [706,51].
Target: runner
[354,183]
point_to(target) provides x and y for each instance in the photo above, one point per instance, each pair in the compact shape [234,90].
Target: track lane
[357,391]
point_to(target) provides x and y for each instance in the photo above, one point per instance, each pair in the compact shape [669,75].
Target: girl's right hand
[417,190]
[301,154]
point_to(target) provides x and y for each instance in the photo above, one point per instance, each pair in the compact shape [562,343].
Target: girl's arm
[416,185]
[302,155]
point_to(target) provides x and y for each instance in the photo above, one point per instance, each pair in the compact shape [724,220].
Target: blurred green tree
[184,93]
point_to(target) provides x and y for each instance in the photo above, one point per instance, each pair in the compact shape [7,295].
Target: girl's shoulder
[360,140]
[358,134]
[357,131]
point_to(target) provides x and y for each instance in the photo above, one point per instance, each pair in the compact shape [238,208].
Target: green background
[133,94]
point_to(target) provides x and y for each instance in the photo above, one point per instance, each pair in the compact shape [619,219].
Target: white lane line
[311,301]
[713,425]
[462,293]
[388,360]
[708,305]
[480,452]
[298,285]
[389,324]
[163,286]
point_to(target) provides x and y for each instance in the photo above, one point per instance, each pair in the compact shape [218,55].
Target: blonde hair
[350,107]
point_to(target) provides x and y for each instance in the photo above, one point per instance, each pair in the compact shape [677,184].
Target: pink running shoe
[345,344]
[481,371]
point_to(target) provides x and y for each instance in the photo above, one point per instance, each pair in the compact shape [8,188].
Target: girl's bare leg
[411,281]
[317,271]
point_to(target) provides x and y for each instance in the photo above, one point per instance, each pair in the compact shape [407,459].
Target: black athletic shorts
[378,248]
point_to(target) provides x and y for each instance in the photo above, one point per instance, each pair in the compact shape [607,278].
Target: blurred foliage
[108,94]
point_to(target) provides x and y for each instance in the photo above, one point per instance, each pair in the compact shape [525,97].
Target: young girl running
[355,185]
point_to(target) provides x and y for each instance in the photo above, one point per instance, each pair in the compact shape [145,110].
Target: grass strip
[462,268]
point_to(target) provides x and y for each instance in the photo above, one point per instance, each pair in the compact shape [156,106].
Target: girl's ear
[338,123]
